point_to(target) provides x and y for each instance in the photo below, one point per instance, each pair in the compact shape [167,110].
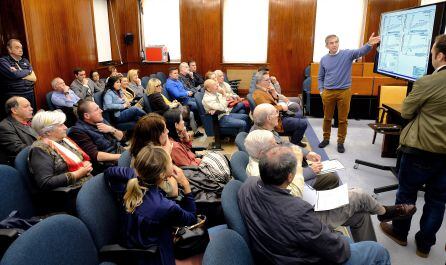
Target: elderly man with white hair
[62,95]
[356,214]
[266,118]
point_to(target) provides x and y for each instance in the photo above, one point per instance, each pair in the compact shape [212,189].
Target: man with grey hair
[186,77]
[62,95]
[17,77]
[266,117]
[334,82]
[15,130]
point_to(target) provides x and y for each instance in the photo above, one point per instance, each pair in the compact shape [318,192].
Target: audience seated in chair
[214,102]
[95,136]
[97,80]
[186,77]
[55,160]
[207,175]
[289,122]
[177,91]
[130,95]
[266,118]
[160,104]
[196,77]
[138,191]
[235,101]
[115,100]
[83,86]
[15,130]
[65,99]
[135,83]
[356,214]
[113,72]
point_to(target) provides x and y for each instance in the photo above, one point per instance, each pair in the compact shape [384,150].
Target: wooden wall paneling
[290,41]
[373,17]
[11,25]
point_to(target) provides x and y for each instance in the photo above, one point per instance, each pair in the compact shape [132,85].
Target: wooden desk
[391,142]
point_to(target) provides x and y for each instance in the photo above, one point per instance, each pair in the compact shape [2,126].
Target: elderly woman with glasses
[160,104]
[54,159]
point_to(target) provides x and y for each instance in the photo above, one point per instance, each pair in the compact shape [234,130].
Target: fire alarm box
[156,53]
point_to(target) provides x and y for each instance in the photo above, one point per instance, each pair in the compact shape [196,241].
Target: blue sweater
[335,71]
[176,90]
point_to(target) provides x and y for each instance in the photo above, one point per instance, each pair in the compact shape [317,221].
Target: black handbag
[191,240]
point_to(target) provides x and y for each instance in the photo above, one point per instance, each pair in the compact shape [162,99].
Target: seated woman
[135,83]
[55,160]
[96,78]
[215,102]
[115,100]
[160,104]
[238,104]
[129,94]
[207,176]
[355,214]
[148,217]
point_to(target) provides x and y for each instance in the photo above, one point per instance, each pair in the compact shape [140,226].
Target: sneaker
[396,212]
[198,134]
[341,148]
[388,231]
[301,144]
[324,143]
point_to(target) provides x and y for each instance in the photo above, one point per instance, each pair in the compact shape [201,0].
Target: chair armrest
[122,255]
[198,148]
[65,189]
[189,167]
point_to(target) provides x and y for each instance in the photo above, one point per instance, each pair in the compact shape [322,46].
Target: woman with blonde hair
[148,217]
[56,161]
[130,94]
[135,83]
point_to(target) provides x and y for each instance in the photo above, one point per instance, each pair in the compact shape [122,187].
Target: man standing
[334,82]
[15,130]
[423,148]
[17,77]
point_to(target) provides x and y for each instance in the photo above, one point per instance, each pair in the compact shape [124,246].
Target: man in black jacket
[15,130]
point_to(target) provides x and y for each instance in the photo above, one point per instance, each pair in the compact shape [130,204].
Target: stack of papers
[326,199]
[329,166]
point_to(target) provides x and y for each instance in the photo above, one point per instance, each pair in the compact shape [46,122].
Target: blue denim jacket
[113,102]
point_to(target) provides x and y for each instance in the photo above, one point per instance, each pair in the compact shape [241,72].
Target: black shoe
[422,252]
[341,148]
[397,212]
[198,134]
[324,143]
[301,144]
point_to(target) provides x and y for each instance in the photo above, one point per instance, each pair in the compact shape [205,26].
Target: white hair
[45,121]
[261,113]
[258,141]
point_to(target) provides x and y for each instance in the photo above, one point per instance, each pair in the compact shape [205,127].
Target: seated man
[215,102]
[290,123]
[96,137]
[186,77]
[196,77]
[298,235]
[83,86]
[266,117]
[62,96]
[177,91]
[15,130]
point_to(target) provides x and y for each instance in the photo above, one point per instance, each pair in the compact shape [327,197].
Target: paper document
[326,199]
[330,166]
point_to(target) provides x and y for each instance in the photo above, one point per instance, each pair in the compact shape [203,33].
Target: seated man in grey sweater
[266,118]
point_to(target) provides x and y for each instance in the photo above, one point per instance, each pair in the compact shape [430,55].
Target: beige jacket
[215,101]
[425,106]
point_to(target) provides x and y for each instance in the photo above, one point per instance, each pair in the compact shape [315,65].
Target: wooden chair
[380,126]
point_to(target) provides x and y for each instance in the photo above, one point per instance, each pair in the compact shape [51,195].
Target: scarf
[73,161]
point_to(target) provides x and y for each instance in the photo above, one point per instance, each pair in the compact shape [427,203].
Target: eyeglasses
[158,86]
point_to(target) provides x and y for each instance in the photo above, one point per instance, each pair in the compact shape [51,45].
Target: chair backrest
[252,84]
[162,77]
[240,141]
[206,119]
[97,208]
[229,203]
[145,81]
[166,93]
[125,159]
[22,166]
[146,103]
[306,85]
[307,71]
[49,102]
[59,239]
[99,99]
[239,161]
[14,194]
[252,103]
[227,248]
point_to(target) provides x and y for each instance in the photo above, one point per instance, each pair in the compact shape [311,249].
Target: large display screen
[406,38]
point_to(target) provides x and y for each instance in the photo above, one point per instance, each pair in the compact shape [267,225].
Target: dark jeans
[235,120]
[239,108]
[295,128]
[130,114]
[414,171]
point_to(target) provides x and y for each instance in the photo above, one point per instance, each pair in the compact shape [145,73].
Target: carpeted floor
[358,145]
